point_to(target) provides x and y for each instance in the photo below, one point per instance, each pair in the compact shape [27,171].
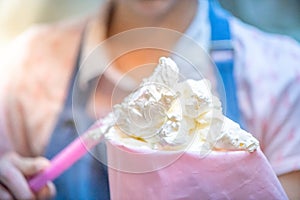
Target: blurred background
[17,15]
[277,16]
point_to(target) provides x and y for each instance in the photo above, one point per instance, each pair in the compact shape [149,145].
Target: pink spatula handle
[62,161]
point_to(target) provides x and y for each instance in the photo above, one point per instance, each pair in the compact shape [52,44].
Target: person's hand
[14,169]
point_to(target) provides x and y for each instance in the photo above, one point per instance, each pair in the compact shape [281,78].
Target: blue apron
[88,178]
[221,43]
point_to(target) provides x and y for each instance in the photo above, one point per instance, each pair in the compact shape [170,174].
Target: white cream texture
[166,114]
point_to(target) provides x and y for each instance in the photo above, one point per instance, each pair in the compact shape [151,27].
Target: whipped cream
[167,114]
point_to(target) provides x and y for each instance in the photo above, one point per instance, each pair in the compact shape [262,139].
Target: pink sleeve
[268,78]
[282,139]
[37,70]
[12,129]
[281,122]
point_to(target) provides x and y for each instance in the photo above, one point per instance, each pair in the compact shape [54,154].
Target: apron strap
[222,53]
[88,177]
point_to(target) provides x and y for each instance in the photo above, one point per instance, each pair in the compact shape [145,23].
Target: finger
[14,181]
[4,194]
[30,166]
[47,192]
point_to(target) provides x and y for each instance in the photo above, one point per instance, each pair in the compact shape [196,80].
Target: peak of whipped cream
[167,114]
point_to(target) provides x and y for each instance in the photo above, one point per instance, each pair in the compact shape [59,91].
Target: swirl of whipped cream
[146,110]
[167,114]
[152,111]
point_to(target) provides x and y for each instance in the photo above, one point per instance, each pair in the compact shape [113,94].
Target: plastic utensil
[67,157]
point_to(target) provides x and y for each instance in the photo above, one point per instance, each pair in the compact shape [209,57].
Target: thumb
[47,191]
[30,166]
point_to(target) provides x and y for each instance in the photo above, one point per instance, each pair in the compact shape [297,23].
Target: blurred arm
[291,183]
